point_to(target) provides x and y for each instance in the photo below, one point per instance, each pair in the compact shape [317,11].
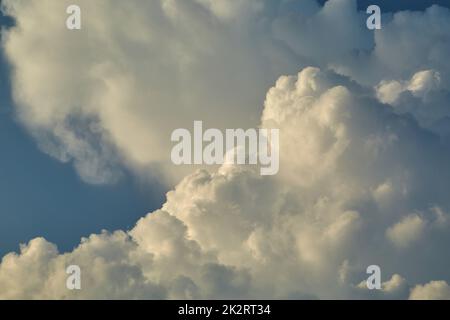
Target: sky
[393,6]
[86,179]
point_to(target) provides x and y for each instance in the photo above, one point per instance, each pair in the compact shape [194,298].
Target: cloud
[423,96]
[394,284]
[109,96]
[104,98]
[235,234]
[360,176]
[434,290]
[421,84]
[414,226]
[393,289]
[405,232]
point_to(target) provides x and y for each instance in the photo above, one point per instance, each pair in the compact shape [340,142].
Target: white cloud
[396,283]
[407,231]
[236,234]
[423,96]
[110,94]
[434,290]
[394,288]
[420,85]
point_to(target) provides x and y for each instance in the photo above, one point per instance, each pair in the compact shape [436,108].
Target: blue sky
[396,5]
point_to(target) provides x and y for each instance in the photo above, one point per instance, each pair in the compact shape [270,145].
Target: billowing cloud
[407,231]
[364,146]
[434,290]
[108,96]
[309,232]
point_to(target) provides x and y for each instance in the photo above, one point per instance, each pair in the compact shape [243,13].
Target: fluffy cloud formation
[302,234]
[363,177]
[408,230]
[424,96]
[108,96]
[435,290]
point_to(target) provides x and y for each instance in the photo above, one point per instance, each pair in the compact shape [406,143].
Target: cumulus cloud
[434,290]
[393,289]
[414,226]
[407,231]
[236,234]
[105,97]
[361,177]
[421,84]
[423,96]
[110,94]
